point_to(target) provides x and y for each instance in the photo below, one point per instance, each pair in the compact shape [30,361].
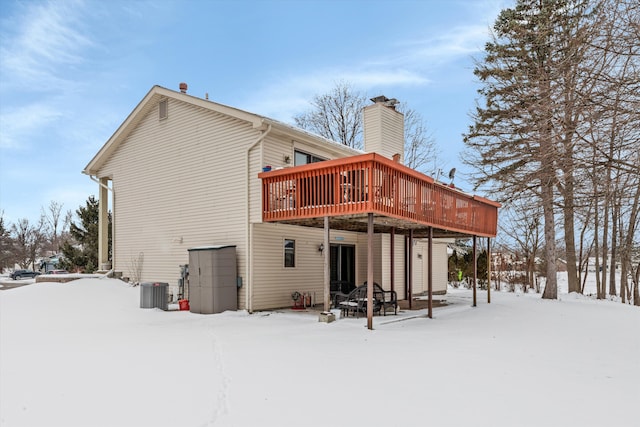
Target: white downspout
[97,181]
[249,228]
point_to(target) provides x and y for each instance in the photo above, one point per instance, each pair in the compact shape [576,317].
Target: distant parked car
[58,272]
[20,274]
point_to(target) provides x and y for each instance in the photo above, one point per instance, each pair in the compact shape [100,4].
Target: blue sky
[71,71]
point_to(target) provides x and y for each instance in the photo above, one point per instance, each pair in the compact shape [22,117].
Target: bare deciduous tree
[420,151]
[6,254]
[135,268]
[337,116]
[52,217]
[27,240]
[523,228]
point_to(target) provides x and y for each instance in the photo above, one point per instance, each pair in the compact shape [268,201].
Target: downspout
[97,181]
[249,229]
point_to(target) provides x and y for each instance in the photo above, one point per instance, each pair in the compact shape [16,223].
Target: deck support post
[488,270]
[409,272]
[430,274]
[407,288]
[392,253]
[327,273]
[370,270]
[475,271]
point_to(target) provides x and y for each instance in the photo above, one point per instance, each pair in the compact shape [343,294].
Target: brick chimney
[384,128]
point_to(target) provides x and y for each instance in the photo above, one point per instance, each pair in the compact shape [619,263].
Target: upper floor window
[302,158]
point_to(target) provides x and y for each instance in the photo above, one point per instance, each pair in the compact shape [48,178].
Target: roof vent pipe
[183,87]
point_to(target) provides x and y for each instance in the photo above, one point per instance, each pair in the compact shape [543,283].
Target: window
[289,253]
[163,109]
[302,158]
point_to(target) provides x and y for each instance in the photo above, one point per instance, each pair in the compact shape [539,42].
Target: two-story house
[183,172]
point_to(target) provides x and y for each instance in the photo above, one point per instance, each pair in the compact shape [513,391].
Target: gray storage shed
[212,279]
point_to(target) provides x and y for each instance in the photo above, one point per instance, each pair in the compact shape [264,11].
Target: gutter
[97,181]
[249,228]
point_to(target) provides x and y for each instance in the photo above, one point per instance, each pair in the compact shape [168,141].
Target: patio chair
[384,300]
[387,300]
[340,290]
[356,302]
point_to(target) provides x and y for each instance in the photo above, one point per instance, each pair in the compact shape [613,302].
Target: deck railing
[372,183]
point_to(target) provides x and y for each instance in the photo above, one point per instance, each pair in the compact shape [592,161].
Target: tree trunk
[605,238]
[583,260]
[628,242]
[615,213]
[586,273]
[624,284]
[570,244]
[531,273]
[551,286]
[636,286]
[596,237]
[569,207]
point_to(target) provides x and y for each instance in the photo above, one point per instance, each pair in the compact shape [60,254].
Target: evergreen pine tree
[84,255]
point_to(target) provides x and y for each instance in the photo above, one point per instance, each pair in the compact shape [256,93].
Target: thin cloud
[291,95]
[48,40]
[19,123]
[404,67]
[440,48]
[395,77]
[445,48]
[460,41]
[68,197]
[43,47]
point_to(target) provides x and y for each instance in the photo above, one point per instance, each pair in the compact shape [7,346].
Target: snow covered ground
[84,354]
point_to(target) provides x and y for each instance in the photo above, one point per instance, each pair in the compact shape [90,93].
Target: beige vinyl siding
[382,264]
[270,151]
[361,259]
[275,150]
[440,267]
[380,257]
[181,182]
[192,156]
[421,267]
[382,261]
[383,131]
[399,278]
[385,256]
[325,153]
[273,283]
[255,184]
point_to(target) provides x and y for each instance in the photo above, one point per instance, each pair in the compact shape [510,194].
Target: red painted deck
[347,189]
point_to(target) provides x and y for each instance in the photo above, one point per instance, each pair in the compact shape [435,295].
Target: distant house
[184,172]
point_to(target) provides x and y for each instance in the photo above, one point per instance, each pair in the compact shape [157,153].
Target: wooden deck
[347,190]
